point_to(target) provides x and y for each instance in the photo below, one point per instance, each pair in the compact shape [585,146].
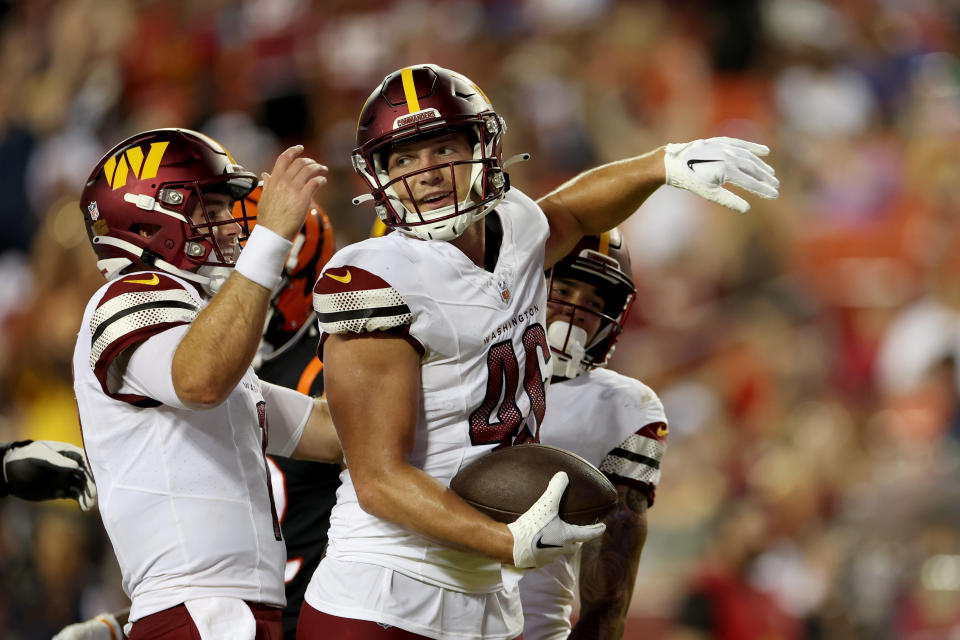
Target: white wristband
[263,257]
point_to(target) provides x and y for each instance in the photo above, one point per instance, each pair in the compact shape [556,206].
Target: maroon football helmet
[420,101]
[604,262]
[138,202]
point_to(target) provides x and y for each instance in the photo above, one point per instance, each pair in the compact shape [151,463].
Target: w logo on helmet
[119,166]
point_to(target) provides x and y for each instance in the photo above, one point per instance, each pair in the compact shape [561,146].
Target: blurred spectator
[723,602]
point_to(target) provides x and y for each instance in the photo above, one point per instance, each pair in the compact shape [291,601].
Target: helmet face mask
[416,104]
[162,199]
[598,266]
[209,242]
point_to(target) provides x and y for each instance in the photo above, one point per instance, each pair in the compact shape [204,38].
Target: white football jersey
[183,493]
[484,371]
[618,424]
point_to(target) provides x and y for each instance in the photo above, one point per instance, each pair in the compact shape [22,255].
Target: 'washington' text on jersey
[520,319]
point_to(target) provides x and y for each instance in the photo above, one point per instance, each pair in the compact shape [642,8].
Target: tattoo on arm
[608,569]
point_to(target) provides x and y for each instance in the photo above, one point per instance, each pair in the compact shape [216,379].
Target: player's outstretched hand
[540,536]
[102,627]
[287,191]
[47,469]
[704,166]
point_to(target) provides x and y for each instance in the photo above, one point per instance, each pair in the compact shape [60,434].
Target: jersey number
[503,379]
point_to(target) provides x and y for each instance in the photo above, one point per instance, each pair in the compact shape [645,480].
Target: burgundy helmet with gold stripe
[138,201]
[603,262]
[417,102]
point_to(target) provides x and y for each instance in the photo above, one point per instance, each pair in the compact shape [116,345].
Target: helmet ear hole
[145,230]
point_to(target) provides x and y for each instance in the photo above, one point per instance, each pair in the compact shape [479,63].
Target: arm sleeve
[287,414]
[130,312]
[149,371]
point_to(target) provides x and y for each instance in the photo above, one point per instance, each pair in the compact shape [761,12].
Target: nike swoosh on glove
[540,536]
[103,627]
[704,166]
[48,469]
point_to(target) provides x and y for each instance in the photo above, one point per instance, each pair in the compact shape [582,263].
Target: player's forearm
[608,571]
[220,345]
[410,497]
[601,198]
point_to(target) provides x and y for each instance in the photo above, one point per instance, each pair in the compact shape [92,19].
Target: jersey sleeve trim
[352,300]
[129,313]
[649,491]
[402,332]
[636,462]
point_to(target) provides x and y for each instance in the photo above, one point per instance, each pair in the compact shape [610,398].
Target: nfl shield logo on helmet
[93,210]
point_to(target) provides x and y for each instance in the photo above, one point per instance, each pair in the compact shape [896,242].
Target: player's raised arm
[222,340]
[601,198]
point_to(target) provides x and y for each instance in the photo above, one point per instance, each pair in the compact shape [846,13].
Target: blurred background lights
[941,573]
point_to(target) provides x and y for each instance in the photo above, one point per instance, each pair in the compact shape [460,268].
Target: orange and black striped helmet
[291,305]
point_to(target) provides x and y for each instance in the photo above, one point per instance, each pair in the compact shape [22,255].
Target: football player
[435,352]
[176,425]
[615,422]
[304,491]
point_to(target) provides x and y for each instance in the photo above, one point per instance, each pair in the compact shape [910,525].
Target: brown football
[505,483]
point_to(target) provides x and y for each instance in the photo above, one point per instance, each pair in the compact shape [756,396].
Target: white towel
[222,618]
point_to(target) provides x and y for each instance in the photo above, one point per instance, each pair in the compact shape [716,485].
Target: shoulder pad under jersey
[351,299]
[132,309]
[636,461]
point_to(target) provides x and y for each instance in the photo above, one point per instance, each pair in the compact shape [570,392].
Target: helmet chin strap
[215,276]
[568,339]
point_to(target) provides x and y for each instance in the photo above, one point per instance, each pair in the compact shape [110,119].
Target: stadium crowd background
[805,351]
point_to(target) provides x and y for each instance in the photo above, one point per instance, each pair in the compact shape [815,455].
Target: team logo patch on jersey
[341,279]
[350,299]
[504,287]
[655,431]
[152,281]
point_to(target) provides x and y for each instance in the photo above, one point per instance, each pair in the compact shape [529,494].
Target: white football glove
[540,536]
[704,166]
[47,469]
[103,627]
